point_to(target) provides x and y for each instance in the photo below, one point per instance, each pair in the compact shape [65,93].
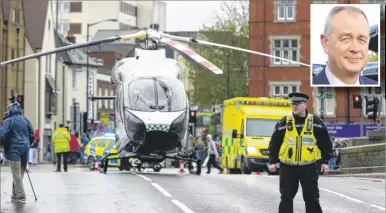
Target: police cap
[298,98]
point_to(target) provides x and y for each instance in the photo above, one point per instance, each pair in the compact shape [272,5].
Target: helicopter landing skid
[194,165]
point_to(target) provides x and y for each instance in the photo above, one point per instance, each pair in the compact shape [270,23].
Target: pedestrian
[33,153]
[61,142]
[17,135]
[213,155]
[298,142]
[74,148]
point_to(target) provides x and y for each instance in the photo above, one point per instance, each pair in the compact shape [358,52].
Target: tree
[231,28]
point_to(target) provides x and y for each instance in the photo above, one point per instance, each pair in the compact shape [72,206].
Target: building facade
[279,28]
[11,46]
[75,16]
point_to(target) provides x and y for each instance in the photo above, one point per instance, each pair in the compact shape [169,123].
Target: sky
[318,17]
[189,15]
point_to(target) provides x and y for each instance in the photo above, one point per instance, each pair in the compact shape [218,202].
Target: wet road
[81,190]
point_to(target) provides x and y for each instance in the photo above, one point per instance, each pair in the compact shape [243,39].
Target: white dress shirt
[335,81]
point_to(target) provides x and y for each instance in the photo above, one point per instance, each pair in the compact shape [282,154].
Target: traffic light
[20,100]
[192,116]
[357,102]
[372,107]
[191,130]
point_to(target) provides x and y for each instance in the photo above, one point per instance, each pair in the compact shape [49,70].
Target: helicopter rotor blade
[192,40]
[192,56]
[141,34]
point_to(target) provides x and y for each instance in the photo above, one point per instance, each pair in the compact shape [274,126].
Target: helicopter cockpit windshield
[152,94]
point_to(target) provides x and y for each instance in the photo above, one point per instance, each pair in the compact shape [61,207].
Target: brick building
[282,27]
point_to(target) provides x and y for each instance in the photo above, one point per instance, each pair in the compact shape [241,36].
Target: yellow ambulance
[247,127]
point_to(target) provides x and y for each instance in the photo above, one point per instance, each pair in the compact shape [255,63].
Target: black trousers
[59,159]
[289,183]
[212,161]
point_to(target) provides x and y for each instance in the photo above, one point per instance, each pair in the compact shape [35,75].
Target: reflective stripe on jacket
[61,140]
[299,149]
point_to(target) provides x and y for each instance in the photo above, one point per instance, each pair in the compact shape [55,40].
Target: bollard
[182,166]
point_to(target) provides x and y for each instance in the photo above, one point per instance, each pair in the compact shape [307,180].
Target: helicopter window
[171,95]
[141,95]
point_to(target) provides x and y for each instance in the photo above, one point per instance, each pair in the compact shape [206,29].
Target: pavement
[81,190]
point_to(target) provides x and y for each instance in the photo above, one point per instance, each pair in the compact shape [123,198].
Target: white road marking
[162,190]
[342,195]
[378,207]
[182,206]
[145,178]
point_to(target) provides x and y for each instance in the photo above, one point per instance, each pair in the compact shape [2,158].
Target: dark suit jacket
[321,79]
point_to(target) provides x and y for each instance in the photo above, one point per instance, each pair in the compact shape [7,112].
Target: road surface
[81,190]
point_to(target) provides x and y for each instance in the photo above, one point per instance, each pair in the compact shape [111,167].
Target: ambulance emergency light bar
[263,101]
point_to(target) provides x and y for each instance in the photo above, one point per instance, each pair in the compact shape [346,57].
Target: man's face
[298,107]
[348,45]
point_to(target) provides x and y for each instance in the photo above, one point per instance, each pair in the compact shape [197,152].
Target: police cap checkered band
[298,99]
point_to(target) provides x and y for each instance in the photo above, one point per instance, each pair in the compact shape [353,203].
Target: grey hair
[336,10]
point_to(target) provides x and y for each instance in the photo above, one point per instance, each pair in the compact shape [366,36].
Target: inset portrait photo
[345,45]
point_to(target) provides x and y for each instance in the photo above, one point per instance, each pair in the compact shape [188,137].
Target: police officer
[299,141]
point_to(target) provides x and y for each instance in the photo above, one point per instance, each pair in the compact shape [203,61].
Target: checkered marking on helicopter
[157,127]
[196,57]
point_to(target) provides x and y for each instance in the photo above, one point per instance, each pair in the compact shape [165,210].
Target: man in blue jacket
[17,134]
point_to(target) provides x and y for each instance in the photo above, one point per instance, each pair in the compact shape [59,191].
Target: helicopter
[152,107]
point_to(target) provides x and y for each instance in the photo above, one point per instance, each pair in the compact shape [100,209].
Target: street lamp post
[87,62]
[17,56]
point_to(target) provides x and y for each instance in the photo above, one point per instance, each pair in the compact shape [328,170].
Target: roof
[75,56]
[122,47]
[35,12]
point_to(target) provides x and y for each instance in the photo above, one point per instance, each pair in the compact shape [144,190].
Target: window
[285,10]
[375,92]
[100,94]
[105,101]
[285,48]
[13,56]
[75,7]
[73,78]
[282,89]
[16,16]
[112,101]
[382,50]
[76,28]
[48,64]
[65,7]
[128,9]
[324,1]
[64,28]
[329,101]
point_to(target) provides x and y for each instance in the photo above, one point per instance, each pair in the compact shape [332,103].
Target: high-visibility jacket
[299,149]
[61,140]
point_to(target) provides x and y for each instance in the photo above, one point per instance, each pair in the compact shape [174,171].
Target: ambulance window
[260,127]
[103,143]
[112,143]
[94,142]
